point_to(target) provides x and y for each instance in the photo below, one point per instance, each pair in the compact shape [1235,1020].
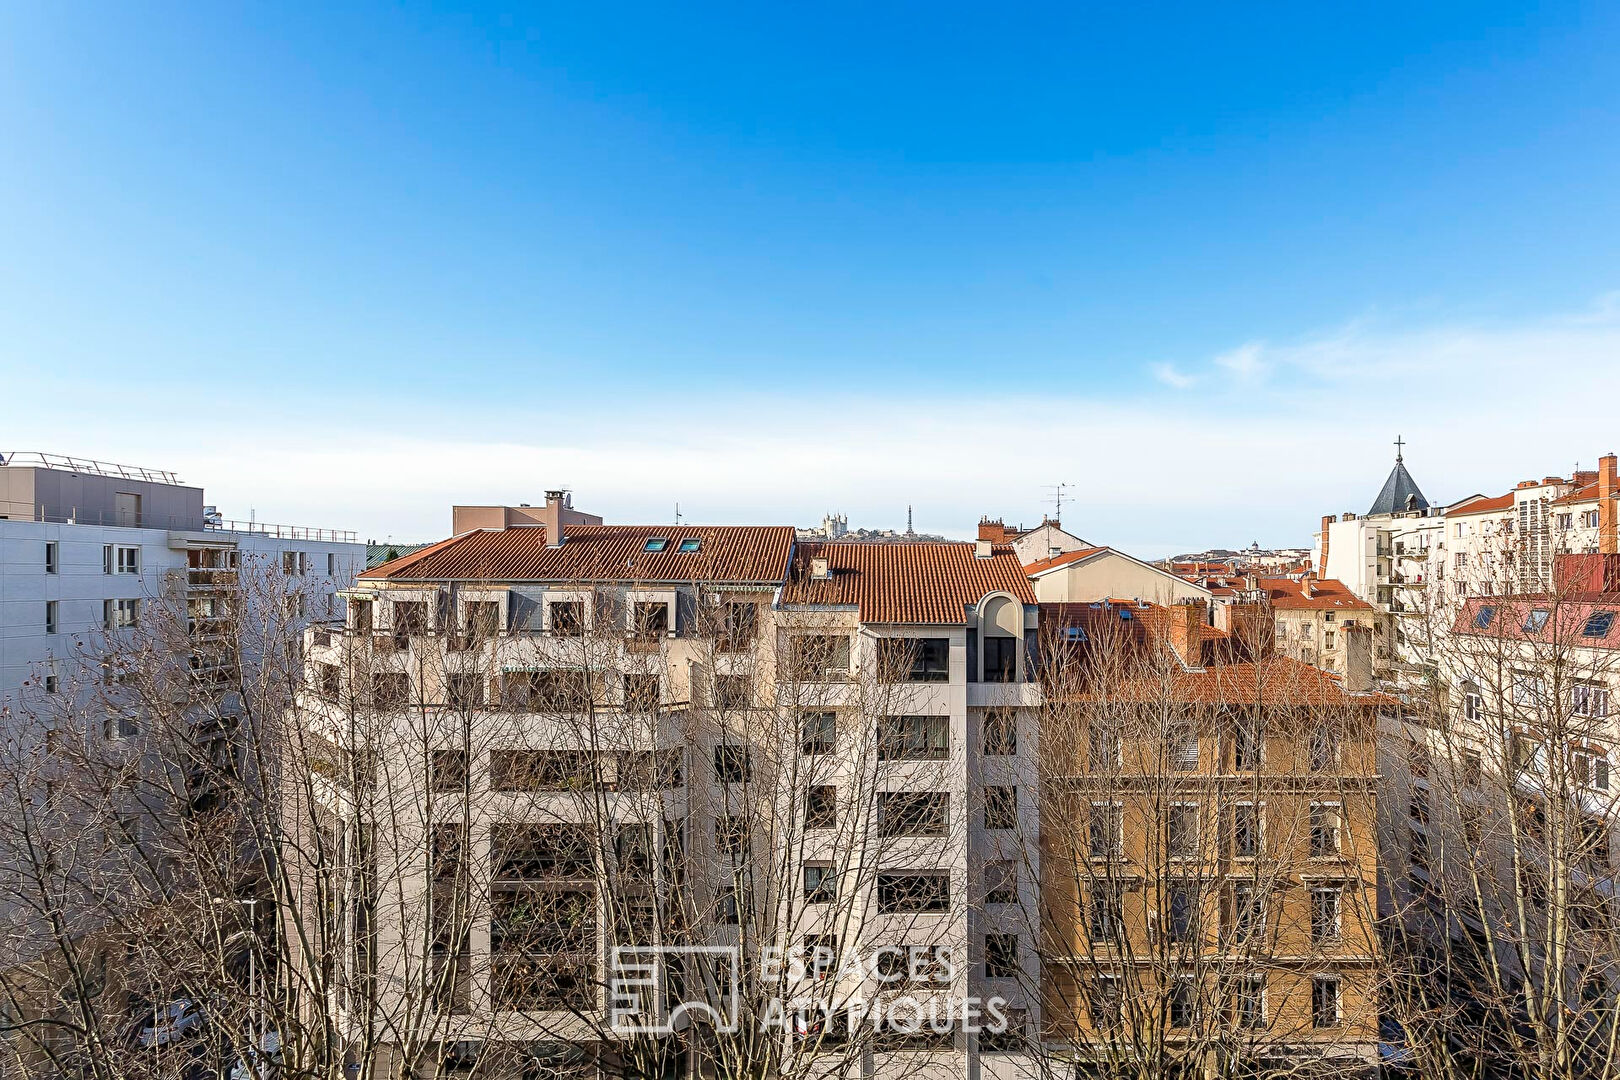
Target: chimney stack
[1321,565]
[993,531]
[557,501]
[982,549]
[1608,508]
[1358,659]
[1184,631]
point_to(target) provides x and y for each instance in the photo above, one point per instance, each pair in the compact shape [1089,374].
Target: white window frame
[128,558]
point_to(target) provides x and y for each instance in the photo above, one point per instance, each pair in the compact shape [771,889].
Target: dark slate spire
[1400,491]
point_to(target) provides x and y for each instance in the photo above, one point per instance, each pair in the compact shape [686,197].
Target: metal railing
[38,459]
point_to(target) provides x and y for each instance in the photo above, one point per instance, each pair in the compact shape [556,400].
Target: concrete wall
[28,493]
[1111,574]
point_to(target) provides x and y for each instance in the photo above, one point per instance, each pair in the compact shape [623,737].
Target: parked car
[169,1024]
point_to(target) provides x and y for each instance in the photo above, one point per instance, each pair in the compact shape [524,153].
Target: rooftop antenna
[677,513]
[909,530]
[1057,497]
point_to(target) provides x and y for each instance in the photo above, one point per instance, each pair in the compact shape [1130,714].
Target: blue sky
[1203,262]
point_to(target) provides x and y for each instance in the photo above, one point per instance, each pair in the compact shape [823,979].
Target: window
[51,553]
[1246,743]
[1000,807]
[650,620]
[1184,1003]
[1000,659]
[731,834]
[914,738]
[1324,829]
[1483,617]
[1590,766]
[1183,911]
[817,733]
[120,614]
[107,558]
[820,955]
[1528,689]
[913,813]
[566,617]
[50,616]
[821,807]
[999,735]
[1536,621]
[914,659]
[1011,1038]
[331,564]
[1184,751]
[1598,624]
[1074,635]
[655,543]
[731,764]
[732,906]
[738,628]
[642,693]
[1588,700]
[1106,749]
[1104,1002]
[911,964]
[1001,882]
[463,690]
[1248,911]
[1326,927]
[691,544]
[1249,1001]
[1181,831]
[919,892]
[1107,830]
[1106,911]
[1001,956]
[1473,768]
[1473,707]
[129,560]
[540,770]
[447,770]
[818,657]
[733,691]
[1324,748]
[1245,823]
[1324,1001]
[52,684]
[120,725]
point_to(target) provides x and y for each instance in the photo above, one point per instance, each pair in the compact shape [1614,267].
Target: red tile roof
[1330,594]
[1483,506]
[1042,565]
[728,553]
[1584,493]
[905,583]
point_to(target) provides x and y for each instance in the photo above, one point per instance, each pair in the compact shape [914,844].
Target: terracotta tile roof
[905,583]
[1043,565]
[727,553]
[1276,680]
[1564,627]
[1330,595]
[1584,493]
[1482,506]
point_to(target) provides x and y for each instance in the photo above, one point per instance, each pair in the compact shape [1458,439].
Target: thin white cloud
[1167,374]
[1481,406]
[1243,362]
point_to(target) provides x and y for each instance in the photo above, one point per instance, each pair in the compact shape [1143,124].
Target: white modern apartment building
[845,740]
[86,546]
[1416,563]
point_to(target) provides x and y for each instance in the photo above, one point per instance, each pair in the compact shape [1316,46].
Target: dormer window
[691,543]
[656,543]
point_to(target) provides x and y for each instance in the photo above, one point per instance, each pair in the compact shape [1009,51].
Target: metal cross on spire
[1399,442]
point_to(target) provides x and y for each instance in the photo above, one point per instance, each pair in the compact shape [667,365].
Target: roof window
[1125,614]
[1536,621]
[656,543]
[691,543]
[1483,617]
[1074,633]
[1598,624]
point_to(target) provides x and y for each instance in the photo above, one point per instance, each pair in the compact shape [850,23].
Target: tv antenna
[1057,498]
[677,513]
